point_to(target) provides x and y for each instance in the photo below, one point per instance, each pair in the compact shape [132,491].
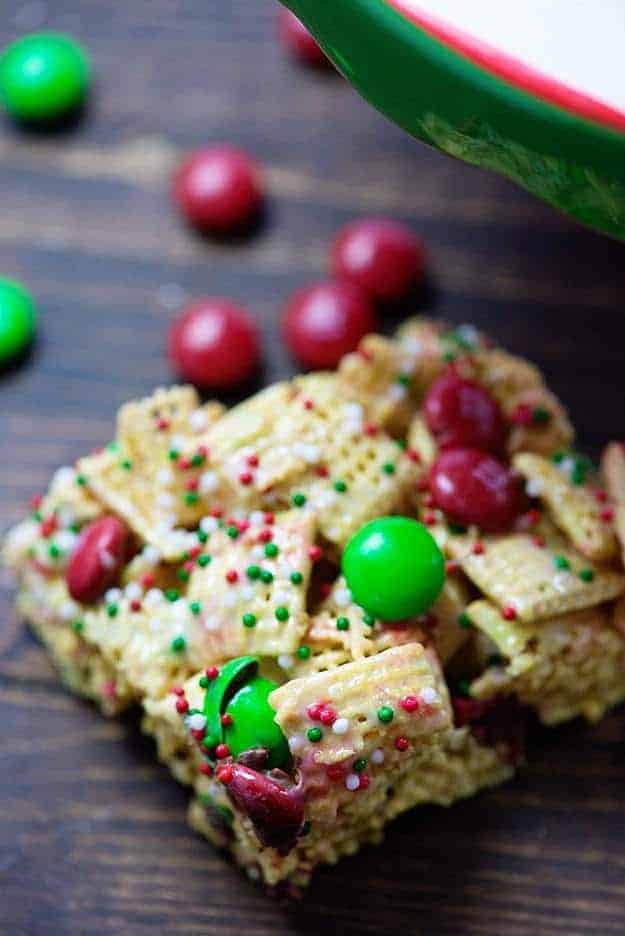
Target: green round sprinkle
[178,644]
[266,576]
[233,532]
[296,578]
[126,464]
[359,764]
[404,379]
[299,500]
[456,528]
[388,468]
[203,560]
[561,562]
[174,454]
[197,460]
[183,574]
[81,480]
[282,613]
[340,486]
[249,620]
[210,741]
[112,446]
[303,653]
[448,357]
[195,607]
[112,610]
[253,572]
[402,444]
[202,536]
[204,682]
[342,623]
[315,735]
[53,551]
[172,594]
[558,457]
[578,475]
[369,620]
[191,497]
[587,575]
[465,621]
[464,687]
[541,415]
[78,626]
[386,714]
[271,550]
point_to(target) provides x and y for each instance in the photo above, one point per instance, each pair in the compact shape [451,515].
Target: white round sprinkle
[429,695]
[151,555]
[163,499]
[208,483]
[296,743]
[65,540]
[377,756]
[326,499]
[340,726]
[342,597]
[256,518]
[352,781]
[397,392]
[68,611]
[197,721]
[153,598]
[285,661]
[230,599]
[533,487]
[197,420]
[248,592]
[63,476]
[112,595]
[208,525]
[66,516]
[281,597]
[307,451]
[133,591]
[257,552]
[177,442]
[164,477]
[412,345]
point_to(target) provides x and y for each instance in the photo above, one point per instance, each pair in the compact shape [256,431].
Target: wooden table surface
[92,832]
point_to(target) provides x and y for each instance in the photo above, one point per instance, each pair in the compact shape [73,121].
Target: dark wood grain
[92,834]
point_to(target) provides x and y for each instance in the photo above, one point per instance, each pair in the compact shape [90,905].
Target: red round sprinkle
[198,733]
[314,711]
[205,769]
[325,588]
[252,461]
[221,751]
[242,525]
[429,518]
[135,605]
[177,690]
[451,566]
[478,548]
[226,720]
[265,536]
[327,716]
[232,576]
[402,743]
[216,512]
[35,501]
[322,471]
[538,540]
[370,429]
[607,514]
[213,343]
[218,188]
[315,553]
[413,455]
[246,477]
[211,672]
[336,772]
[324,321]
[224,773]
[509,613]
[147,580]
[600,496]
[365,780]
[191,484]
[299,41]
[202,451]
[162,424]
[308,404]
[194,552]
[182,705]
[269,518]
[48,526]
[383,257]
[410,703]
[523,415]
[184,463]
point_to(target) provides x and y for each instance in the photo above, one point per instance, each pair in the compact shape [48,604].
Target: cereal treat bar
[341,598]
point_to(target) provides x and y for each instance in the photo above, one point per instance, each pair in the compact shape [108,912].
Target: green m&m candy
[43,77]
[17,320]
[393,568]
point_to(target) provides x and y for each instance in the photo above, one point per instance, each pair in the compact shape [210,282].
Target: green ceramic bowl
[531,90]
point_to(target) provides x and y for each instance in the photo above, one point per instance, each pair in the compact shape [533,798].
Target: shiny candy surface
[253,724]
[393,568]
[326,320]
[473,487]
[97,560]
[214,343]
[299,41]
[43,77]
[17,320]
[383,257]
[218,188]
[462,414]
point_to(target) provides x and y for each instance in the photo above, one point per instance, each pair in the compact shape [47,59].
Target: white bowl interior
[576,42]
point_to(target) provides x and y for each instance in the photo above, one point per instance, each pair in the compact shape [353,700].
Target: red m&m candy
[97,560]
[213,343]
[384,257]
[218,188]
[324,321]
[299,41]
[473,487]
[462,414]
